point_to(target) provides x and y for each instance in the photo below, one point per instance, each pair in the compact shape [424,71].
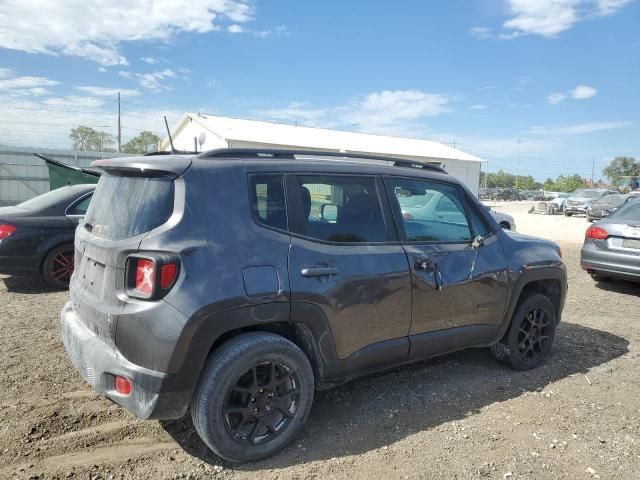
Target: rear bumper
[152,395]
[610,263]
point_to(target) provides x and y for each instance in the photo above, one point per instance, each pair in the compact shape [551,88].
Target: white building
[208,132]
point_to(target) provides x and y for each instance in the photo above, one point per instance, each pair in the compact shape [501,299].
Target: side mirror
[477,242]
[329,212]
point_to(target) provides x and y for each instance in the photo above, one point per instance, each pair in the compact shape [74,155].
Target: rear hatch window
[124,206]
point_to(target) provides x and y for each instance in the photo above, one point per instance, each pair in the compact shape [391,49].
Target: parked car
[36,236]
[612,246]
[505,220]
[580,200]
[559,201]
[309,276]
[607,205]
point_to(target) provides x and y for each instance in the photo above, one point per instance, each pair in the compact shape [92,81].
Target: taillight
[167,274]
[596,233]
[151,276]
[145,276]
[6,229]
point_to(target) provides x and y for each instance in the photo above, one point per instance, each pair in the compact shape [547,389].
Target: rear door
[458,283]
[345,260]
[123,209]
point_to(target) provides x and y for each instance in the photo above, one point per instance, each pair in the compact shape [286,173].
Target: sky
[537,87]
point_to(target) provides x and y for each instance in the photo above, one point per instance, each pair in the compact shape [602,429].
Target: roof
[292,136]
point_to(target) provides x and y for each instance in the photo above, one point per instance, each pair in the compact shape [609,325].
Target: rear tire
[528,341]
[254,395]
[58,266]
[567,214]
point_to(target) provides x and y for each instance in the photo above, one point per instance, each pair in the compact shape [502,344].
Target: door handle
[319,271]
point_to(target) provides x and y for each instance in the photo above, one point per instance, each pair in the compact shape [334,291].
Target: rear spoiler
[171,165]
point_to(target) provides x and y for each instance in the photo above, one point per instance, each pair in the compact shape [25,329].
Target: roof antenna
[166,124]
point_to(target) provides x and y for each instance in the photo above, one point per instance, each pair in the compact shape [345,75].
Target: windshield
[125,206]
[586,194]
[46,200]
[628,213]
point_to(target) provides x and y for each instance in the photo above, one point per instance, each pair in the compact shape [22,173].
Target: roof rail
[275,154]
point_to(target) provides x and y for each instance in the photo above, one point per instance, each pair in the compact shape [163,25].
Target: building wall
[24,176]
[184,139]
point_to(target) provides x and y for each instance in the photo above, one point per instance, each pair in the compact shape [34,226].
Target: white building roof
[240,130]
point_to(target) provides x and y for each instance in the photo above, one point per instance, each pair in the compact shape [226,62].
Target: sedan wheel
[58,267]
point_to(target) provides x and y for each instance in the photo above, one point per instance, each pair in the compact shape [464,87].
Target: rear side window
[628,213]
[342,209]
[431,211]
[126,206]
[80,208]
[267,200]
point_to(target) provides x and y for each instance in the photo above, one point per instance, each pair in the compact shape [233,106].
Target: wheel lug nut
[253,399]
[261,390]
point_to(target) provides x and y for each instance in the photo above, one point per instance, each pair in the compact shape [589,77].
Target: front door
[345,260]
[459,285]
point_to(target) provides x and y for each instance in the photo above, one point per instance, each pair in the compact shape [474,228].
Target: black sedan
[36,236]
[607,204]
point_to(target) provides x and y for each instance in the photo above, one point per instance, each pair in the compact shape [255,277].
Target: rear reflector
[145,276]
[123,385]
[6,229]
[167,274]
[596,233]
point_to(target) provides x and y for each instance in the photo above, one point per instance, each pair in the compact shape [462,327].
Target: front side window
[267,199]
[430,211]
[341,209]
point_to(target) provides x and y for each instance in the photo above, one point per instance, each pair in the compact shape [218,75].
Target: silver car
[612,246]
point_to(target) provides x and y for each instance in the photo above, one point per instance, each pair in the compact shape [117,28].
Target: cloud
[279,31]
[481,33]
[46,123]
[28,86]
[578,129]
[151,81]
[149,60]
[541,17]
[102,69]
[609,7]
[582,91]
[235,28]
[548,18]
[555,98]
[387,111]
[108,92]
[478,107]
[95,30]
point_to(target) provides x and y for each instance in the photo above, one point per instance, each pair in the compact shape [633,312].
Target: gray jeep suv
[234,283]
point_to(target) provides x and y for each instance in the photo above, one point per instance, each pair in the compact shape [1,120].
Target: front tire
[254,396]
[58,267]
[567,214]
[528,341]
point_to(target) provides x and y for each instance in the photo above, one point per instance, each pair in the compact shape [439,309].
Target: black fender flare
[526,277]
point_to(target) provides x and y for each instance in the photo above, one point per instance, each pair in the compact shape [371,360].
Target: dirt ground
[460,416]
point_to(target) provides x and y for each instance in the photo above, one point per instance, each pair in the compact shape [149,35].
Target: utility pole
[593,168]
[119,127]
[517,164]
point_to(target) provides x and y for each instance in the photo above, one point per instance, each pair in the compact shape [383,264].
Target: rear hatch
[133,197]
[620,234]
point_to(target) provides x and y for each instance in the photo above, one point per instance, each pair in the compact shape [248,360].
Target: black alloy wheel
[529,338]
[262,403]
[254,395]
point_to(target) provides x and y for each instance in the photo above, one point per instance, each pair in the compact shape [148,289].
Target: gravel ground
[459,416]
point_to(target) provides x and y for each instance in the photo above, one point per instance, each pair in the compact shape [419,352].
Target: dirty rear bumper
[152,395]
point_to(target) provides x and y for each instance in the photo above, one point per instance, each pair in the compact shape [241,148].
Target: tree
[145,142]
[621,167]
[86,139]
